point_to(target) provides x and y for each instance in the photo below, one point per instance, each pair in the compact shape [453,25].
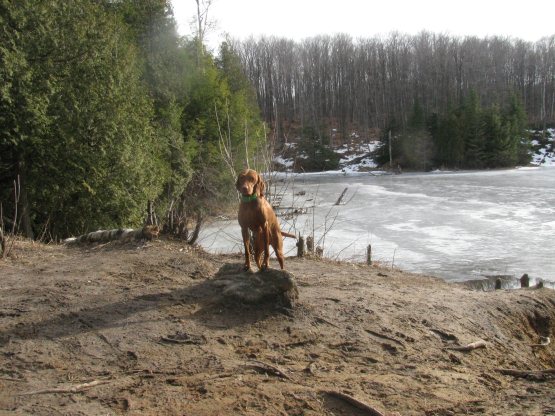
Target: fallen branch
[530,374]
[338,202]
[325,321]
[268,369]
[74,389]
[544,342]
[354,402]
[469,347]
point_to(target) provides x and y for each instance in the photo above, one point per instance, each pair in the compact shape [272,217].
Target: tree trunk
[20,188]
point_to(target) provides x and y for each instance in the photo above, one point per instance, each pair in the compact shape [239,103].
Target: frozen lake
[458,226]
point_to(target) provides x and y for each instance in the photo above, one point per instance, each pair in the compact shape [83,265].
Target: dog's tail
[283,233]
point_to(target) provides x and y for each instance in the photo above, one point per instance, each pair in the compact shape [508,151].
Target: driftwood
[340,199]
[354,402]
[544,342]
[73,389]
[469,347]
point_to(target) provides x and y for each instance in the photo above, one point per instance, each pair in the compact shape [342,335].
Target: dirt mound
[126,329]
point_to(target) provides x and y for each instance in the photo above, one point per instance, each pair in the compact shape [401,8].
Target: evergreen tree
[516,118]
[165,64]
[77,128]
[314,155]
[472,132]
[497,150]
[448,141]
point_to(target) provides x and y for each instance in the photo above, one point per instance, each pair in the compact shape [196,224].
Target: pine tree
[472,132]
[516,118]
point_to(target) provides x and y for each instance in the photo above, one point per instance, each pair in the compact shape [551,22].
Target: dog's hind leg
[277,244]
[266,245]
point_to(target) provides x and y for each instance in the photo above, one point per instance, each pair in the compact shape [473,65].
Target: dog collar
[249,198]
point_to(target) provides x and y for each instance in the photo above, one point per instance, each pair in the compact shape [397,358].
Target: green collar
[249,198]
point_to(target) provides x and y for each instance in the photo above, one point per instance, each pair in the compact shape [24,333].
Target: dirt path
[121,329]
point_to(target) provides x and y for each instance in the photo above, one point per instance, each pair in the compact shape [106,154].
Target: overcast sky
[297,19]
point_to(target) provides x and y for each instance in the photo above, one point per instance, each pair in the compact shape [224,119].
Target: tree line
[467,136]
[329,82]
[103,107]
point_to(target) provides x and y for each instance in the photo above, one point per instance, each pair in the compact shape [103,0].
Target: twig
[346,247]
[19,380]
[74,389]
[469,347]
[354,402]
[268,369]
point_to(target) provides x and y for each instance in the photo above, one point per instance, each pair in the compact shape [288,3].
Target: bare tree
[202,24]
[335,82]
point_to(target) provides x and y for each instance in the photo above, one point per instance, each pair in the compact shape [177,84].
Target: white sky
[297,19]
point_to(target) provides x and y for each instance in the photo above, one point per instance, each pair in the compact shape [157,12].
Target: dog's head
[249,183]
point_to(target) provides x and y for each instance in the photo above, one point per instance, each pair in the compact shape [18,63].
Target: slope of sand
[126,329]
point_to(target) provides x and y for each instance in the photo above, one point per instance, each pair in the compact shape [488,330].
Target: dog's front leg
[266,240]
[246,243]
[258,247]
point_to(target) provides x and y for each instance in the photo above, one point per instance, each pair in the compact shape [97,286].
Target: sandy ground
[140,330]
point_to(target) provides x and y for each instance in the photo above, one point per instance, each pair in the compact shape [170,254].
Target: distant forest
[336,82]
[104,107]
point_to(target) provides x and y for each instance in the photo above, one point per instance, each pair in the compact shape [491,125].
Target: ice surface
[458,226]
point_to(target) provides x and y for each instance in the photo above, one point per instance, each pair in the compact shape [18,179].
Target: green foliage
[79,132]
[471,129]
[517,121]
[103,107]
[314,155]
[411,147]
[220,118]
[464,137]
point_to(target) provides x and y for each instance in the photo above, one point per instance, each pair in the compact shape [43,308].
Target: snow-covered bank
[544,153]
[356,158]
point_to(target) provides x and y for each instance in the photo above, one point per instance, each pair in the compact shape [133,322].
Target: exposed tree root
[73,389]
[354,402]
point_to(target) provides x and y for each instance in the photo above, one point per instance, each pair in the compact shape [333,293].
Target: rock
[267,286]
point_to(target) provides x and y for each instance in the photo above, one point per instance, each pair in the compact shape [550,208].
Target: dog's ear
[260,186]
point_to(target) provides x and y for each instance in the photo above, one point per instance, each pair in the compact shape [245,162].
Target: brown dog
[256,214]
